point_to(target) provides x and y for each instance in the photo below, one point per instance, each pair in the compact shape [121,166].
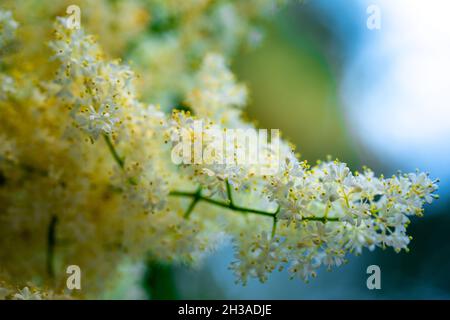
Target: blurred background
[375,97]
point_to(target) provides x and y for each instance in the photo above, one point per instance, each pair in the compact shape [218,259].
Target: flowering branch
[197,196]
[228,205]
[52,182]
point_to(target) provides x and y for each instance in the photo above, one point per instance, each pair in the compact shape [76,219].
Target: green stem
[51,242]
[274,225]
[193,203]
[237,208]
[220,203]
[230,197]
[113,151]
[233,207]
[119,160]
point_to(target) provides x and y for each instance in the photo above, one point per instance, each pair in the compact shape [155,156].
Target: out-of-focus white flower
[27,294]
[7,86]
[8,27]
[216,90]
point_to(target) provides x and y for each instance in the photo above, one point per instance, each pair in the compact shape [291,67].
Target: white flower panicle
[96,90]
[211,154]
[321,212]
[66,195]
[143,186]
[216,89]
[325,212]
[257,255]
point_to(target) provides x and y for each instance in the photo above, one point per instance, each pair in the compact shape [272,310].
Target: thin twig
[274,225]
[51,243]
[113,151]
[230,197]
[227,205]
[193,203]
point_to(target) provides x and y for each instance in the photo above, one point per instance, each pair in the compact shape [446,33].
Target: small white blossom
[27,294]
[8,27]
